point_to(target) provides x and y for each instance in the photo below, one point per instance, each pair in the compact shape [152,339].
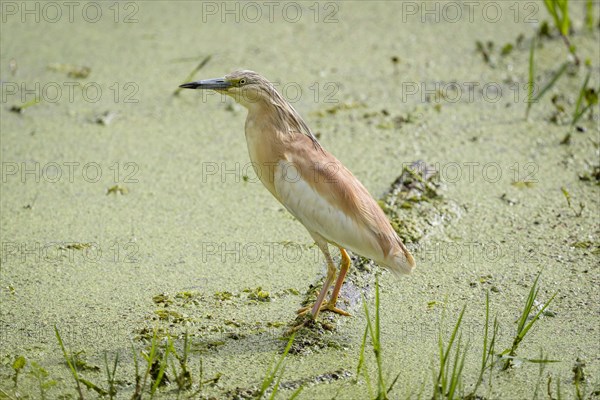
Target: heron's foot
[303,310]
[328,306]
[308,323]
[331,307]
[303,320]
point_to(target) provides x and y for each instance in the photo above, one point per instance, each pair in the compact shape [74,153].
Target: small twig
[191,75]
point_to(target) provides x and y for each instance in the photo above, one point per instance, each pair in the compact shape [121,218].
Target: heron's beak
[216,84]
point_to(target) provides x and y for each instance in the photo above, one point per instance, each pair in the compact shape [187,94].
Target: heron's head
[255,93]
[246,87]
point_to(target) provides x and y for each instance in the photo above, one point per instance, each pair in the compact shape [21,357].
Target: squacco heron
[311,183]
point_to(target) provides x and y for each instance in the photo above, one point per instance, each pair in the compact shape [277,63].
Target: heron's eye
[242,81]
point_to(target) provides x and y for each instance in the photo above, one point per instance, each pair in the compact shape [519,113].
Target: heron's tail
[400,262]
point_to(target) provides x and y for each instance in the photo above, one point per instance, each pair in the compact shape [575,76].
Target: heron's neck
[264,120]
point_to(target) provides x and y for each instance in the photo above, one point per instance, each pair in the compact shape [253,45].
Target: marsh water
[127,209]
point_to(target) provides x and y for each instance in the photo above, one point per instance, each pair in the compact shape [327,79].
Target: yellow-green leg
[344,266]
[331,271]
[328,281]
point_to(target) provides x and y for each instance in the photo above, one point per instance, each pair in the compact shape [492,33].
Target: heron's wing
[327,199]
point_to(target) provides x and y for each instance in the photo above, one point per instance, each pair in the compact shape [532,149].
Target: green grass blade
[149,360]
[110,375]
[524,326]
[138,378]
[581,94]
[445,377]
[492,351]
[565,21]
[487,350]
[270,376]
[6,395]
[540,360]
[267,380]
[276,385]
[454,377]
[527,309]
[551,7]
[393,383]
[69,362]
[531,77]
[484,354]
[92,386]
[377,346]
[579,112]
[161,370]
[535,318]
[296,393]
[361,357]
[533,291]
[369,325]
[552,81]
[454,332]
[589,14]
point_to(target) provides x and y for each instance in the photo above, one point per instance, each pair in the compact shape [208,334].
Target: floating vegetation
[592,175]
[117,189]
[76,246]
[21,108]
[593,247]
[18,366]
[523,184]
[485,50]
[106,118]
[223,296]
[41,376]
[560,110]
[162,299]
[394,122]
[415,204]
[349,105]
[507,49]
[567,196]
[258,294]
[73,71]
[163,366]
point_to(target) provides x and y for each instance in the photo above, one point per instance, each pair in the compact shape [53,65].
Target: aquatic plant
[448,379]
[559,11]
[373,331]
[523,326]
[277,372]
[488,357]
[535,97]
[590,95]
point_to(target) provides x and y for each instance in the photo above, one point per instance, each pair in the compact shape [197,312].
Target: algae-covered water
[127,209]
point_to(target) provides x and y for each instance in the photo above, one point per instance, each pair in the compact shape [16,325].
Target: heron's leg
[328,281]
[326,285]
[344,266]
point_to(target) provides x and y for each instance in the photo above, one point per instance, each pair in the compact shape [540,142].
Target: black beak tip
[189,85]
